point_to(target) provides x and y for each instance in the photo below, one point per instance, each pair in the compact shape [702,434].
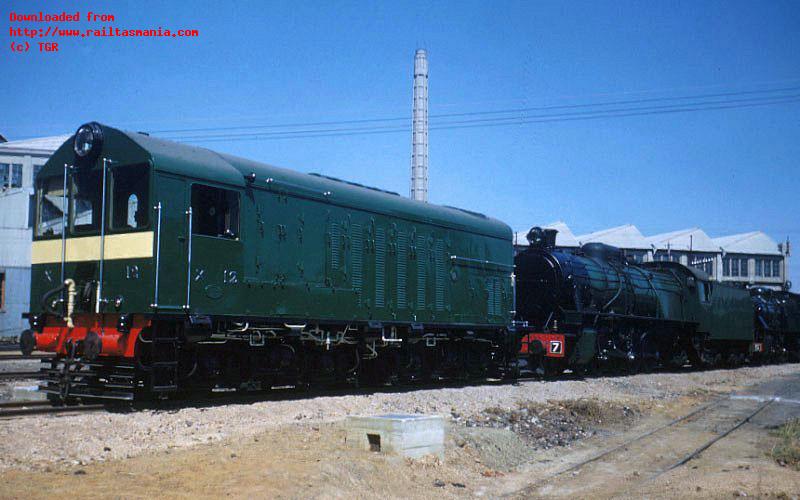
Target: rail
[25,408]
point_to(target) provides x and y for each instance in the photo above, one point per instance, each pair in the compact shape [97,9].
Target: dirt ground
[488,454]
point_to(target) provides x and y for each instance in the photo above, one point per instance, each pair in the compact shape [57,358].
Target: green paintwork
[722,312]
[309,247]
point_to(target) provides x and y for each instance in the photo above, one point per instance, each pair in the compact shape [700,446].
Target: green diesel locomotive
[159,267]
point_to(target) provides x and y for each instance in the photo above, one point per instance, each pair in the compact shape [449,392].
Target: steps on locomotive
[73,379]
[164,365]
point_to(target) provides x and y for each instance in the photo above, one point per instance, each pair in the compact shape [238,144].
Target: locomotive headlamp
[37,322]
[124,323]
[88,141]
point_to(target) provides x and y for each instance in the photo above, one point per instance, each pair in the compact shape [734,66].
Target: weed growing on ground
[787,451]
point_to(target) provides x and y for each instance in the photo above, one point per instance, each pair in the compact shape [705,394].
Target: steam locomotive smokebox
[411,436]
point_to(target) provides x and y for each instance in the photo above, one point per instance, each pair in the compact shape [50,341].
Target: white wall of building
[15,232]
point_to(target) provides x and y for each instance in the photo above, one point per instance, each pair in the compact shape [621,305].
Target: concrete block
[27,392]
[411,436]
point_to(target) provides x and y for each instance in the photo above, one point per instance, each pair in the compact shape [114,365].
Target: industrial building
[747,259]
[19,163]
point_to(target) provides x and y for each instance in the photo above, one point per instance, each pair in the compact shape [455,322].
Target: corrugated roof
[694,239]
[40,144]
[564,238]
[752,242]
[627,236]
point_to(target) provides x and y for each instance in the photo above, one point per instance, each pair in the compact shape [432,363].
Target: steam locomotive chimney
[542,238]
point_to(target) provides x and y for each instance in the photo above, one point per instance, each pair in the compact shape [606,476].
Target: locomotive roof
[204,164]
[677,266]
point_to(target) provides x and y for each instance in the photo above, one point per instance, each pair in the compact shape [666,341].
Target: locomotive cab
[120,238]
[93,239]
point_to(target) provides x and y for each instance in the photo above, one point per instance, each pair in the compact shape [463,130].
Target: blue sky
[261,63]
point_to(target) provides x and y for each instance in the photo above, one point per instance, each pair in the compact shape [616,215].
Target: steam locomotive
[161,269]
[590,309]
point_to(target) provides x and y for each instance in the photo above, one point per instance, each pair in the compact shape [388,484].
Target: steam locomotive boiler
[591,308]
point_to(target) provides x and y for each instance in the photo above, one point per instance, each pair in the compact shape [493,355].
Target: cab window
[49,205]
[86,201]
[129,197]
[215,212]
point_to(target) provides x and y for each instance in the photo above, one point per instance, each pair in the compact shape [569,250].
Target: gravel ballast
[43,441]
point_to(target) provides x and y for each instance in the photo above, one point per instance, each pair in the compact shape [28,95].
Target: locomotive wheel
[588,370]
[553,368]
[27,342]
[536,359]
[647,356]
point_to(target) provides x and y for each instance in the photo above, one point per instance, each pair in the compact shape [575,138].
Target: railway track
[713,412]
[22,357]
[697,451]
[25,408]
[22,374]
[19,375]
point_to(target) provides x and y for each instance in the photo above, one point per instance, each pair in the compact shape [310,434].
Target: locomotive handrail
[189,261]
[465,261]
[652,287]
[64,228]
[101,272]
[311,193]
[605,277]
[157,208]
[622,282]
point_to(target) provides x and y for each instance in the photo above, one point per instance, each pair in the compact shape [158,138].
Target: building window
[10,175]
[2,291]
[215,212]
[703,262]
[759,267]
[16,175]
[771,268]
[634,256]
[735,267]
